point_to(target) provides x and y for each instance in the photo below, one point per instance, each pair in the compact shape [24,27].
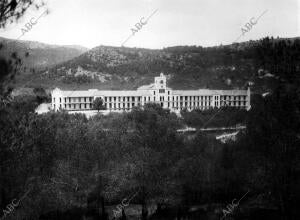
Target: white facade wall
[158,92]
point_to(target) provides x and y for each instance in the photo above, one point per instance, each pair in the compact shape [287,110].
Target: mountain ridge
[35,54]
[231,66]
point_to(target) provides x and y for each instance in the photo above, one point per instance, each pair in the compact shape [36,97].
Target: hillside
[38,55]
[188,67]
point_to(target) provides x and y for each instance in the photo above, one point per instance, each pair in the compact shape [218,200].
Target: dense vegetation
[98,104]
[60,164]
[76,79]
[224,117]
[230,66]
[68,161]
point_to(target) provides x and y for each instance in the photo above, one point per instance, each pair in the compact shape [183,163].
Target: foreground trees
[68,161]
[274,136]
[12,10]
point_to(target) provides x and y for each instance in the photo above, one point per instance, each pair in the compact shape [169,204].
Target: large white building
[158,92]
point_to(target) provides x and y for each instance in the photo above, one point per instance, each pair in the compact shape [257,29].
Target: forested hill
[35,55]
[193,67]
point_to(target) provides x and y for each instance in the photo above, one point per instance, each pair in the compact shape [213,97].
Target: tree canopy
[98,104]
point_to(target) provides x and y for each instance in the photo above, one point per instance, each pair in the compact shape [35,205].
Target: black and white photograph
[149,109]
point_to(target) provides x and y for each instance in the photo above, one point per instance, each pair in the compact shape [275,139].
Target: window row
[122,99]
[123,106]
[235,98]
[161,98]
[196,98]
[75,99]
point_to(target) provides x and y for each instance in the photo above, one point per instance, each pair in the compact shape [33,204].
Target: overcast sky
[92,23]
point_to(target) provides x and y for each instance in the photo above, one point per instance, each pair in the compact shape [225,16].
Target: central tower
[160,82]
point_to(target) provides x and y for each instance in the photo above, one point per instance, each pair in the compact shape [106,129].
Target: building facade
[158,92]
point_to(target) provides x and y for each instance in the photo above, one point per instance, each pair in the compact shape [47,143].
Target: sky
[91,23]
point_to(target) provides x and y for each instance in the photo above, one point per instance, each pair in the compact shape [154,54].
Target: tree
[12,10]
[41,95]
[274,136]
[12,117]
[98,104]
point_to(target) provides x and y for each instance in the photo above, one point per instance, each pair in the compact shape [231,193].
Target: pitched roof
[201,92]
[95,92]
[146,87]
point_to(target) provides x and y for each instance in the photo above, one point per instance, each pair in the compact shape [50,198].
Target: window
[161,91]
[161,82]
